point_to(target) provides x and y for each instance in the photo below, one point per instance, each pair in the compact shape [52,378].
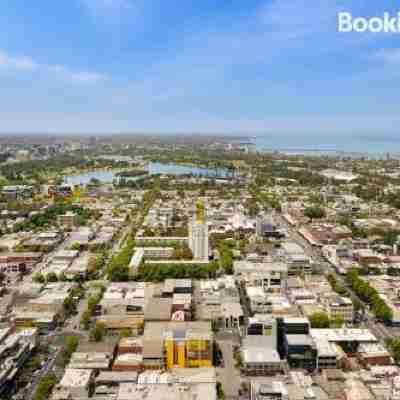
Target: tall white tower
[198,233]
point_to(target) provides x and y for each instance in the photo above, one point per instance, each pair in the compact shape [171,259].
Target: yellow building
[188,348]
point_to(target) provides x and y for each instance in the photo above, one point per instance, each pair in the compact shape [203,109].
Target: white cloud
[86,76]
[18,63]
[27,64]
[76,76]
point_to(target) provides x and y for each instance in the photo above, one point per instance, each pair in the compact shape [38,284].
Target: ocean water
[375,147]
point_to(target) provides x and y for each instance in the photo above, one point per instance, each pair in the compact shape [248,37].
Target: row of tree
[52,277]
[342,291]
[118,267]
[225,249]
[71,344]
[45,387]
[321,320]
[160,272]
[369,295]
[93,301]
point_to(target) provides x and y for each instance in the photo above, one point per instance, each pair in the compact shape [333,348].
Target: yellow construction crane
[200,212]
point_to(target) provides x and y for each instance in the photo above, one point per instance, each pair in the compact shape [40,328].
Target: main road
[381,331]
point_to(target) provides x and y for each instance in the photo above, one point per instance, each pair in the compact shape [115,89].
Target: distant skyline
[241,67]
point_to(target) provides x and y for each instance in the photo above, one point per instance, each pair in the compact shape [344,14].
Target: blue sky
[241,66]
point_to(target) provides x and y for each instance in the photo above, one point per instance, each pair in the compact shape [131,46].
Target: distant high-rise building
[264,223]
[198,233]
[22,155]
[93,141]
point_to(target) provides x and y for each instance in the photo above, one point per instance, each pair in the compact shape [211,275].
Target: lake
[154,168]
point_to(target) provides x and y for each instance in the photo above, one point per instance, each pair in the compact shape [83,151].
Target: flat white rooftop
[76,378]
[343,335]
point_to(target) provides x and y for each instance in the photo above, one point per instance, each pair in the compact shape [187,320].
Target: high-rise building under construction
[198,233]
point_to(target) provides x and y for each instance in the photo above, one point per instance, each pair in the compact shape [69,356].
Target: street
[229,375]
